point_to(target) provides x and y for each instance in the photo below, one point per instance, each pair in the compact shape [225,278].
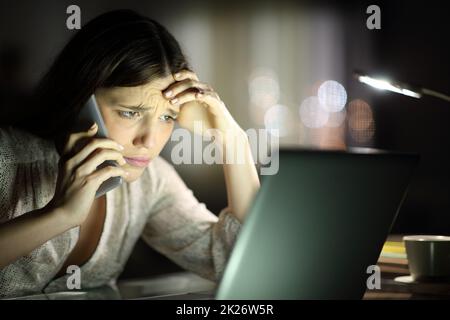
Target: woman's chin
[134,174]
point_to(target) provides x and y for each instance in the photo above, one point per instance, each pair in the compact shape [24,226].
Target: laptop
[315,227]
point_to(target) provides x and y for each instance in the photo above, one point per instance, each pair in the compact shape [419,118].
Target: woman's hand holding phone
[78,179]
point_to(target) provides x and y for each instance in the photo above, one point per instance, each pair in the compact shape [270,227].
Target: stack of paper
[393,257]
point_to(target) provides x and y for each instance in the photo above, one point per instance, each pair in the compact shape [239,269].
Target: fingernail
[121,147]
[174,101]
[199,95]
[168,93]
[93,126]
[177,75]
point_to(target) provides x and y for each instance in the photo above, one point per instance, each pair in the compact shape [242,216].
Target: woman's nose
[148,138]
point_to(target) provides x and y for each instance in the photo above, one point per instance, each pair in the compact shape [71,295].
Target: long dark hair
[118,48]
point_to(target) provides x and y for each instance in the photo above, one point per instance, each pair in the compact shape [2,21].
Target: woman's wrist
[233,138]
[63,219]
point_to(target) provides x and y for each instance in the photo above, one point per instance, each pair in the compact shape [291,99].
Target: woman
[50,218]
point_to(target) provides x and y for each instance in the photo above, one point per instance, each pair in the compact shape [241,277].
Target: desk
[178,285]
[168,286]
[396,290]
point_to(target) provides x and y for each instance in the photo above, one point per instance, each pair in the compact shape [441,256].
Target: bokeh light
[336,119]
[361,123]
[264,89]
[332,96]
[311,114]
[278,118]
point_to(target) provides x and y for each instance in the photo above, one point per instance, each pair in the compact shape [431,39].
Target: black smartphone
[89,114]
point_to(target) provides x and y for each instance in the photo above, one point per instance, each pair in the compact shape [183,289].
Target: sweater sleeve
[183,229]
[7,169]
[28,170]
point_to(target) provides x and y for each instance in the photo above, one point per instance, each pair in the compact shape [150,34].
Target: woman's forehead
[151,91]
[160,83]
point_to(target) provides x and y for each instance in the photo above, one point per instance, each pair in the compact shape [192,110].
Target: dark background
[412,46]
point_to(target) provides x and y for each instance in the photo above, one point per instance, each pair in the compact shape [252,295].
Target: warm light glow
[335,119]
[361,123]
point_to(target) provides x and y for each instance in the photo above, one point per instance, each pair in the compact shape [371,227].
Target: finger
[90,148]
[75,137]
[98,177]
[96,144]
[211,101]
[185,74]
[180,76]
[208,97]
[187,96]
[91,165]
[179,87]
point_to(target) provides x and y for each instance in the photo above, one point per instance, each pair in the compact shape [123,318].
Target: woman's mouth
[138,161]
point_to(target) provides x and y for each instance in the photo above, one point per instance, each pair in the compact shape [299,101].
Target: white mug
[428,257]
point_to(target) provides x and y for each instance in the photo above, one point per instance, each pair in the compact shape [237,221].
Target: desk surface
[173,285]
[392,269]
[394,289]
[181,285]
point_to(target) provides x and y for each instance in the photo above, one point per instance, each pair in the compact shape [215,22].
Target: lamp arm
[435,94]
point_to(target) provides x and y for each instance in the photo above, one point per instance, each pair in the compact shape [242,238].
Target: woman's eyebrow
[136,108]
[173,112]
[142,108]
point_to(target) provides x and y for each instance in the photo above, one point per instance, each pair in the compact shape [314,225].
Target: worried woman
[49,216]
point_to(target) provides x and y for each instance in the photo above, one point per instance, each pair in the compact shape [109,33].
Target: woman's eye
[167,118]
[131,115]
[128,114]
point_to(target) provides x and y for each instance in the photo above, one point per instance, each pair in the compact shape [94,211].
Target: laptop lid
[316,226]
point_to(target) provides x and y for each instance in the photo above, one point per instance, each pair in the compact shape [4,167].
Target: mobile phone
[89,114]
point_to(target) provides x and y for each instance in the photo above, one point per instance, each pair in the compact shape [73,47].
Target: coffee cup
[428,257]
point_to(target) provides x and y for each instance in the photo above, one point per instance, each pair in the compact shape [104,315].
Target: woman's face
[143,132]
